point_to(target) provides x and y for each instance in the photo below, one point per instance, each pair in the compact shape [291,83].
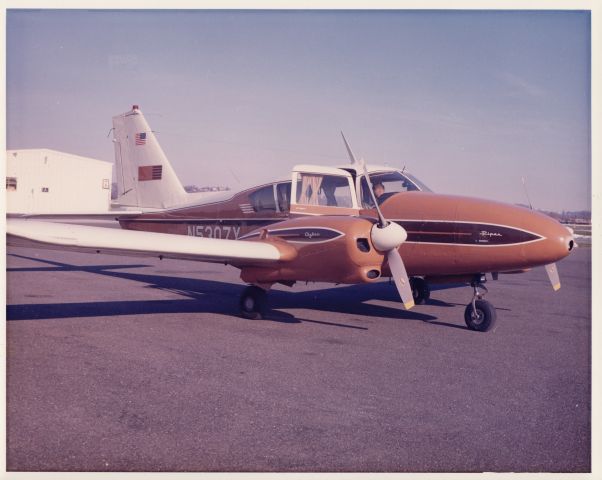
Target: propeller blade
[400,276]
[351,155]
[387,237]
[382,221]
[552,272]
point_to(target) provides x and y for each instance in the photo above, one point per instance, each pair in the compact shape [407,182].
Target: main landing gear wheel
[420,290]
[480,315]
[252,302]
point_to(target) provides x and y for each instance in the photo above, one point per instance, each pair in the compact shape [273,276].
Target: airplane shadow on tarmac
[210,296]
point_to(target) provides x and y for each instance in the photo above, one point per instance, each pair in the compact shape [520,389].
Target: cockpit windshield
[421,186]
[386,184]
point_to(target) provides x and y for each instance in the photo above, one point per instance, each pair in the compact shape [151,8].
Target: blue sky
[469,101]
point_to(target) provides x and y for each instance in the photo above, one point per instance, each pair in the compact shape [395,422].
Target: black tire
[420,290]
[484,319]
[252,302]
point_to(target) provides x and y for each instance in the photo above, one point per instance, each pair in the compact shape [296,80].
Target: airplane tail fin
[145,177]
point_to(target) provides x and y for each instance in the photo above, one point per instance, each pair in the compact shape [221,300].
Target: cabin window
[283,192]
[11,183]
[262,200]
[324,190]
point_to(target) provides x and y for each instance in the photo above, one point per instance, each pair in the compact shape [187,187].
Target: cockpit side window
[385,185]
[262,200]
[325,190]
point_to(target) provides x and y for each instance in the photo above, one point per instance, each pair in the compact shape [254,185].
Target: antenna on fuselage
[526,192]
[234,175]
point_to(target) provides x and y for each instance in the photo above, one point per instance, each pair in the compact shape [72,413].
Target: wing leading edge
[131,242]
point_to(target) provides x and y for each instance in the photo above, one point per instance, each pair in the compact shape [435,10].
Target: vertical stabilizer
[145,177]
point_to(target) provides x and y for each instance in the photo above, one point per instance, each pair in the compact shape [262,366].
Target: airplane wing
[132,242]
[103,219]
[74,217]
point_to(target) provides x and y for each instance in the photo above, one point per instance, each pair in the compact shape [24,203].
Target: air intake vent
[363,245]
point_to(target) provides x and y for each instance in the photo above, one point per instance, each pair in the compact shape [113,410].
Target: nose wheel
[480,315]
[253,302]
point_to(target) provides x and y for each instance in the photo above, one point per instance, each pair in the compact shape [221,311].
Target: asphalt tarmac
[134,364]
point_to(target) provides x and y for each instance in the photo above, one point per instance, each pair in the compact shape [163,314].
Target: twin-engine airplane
[325,224]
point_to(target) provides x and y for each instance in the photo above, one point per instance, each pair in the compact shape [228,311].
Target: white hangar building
[51,182]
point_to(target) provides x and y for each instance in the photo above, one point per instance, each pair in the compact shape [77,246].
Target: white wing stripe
[139,242]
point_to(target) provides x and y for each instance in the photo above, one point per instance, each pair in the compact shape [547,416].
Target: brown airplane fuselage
[347,224]
[450,238]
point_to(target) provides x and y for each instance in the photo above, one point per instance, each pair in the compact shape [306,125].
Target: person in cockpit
[379,189]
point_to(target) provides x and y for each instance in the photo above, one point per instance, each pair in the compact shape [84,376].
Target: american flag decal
[141,138]
[151,172]
[246,208]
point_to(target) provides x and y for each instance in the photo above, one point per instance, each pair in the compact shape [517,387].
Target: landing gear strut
[479,315]
[420,290]
[253,302]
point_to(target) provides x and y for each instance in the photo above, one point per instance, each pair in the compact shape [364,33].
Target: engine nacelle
[336,249]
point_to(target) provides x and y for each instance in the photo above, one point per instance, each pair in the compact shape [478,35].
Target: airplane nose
[560,238]
[556,240]
[571,242]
